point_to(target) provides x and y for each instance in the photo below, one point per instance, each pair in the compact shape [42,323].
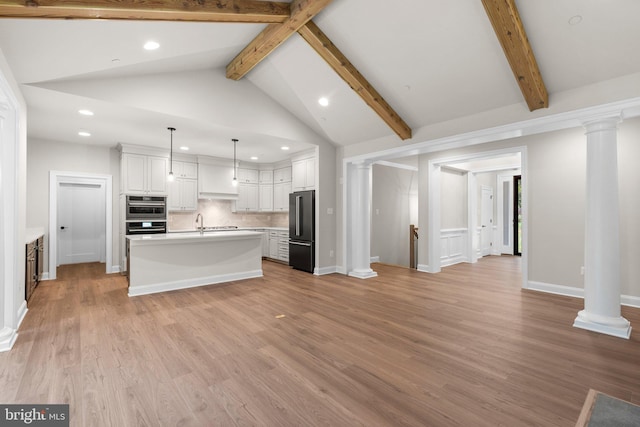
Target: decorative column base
[363,273]
[614,326]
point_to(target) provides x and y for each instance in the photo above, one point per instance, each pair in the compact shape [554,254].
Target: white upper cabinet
[248,176]
[282,175]
[185,169]
[183,191]
[266,197]
[281,192]
[248,198]
[266,177]
[303,174]
[143,174]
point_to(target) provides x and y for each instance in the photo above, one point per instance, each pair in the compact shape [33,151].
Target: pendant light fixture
[171,177]
[235,180]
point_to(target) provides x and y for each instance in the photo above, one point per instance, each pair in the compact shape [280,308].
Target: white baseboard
[319,271]
[192,283]
[45,276]
[8,337]
[115,269]
[375,259]
[22,312]
[424,268]
[570,291]
[630,301]
[446,262]
[341,269]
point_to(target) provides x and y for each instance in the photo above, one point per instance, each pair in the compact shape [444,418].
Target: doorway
[69,195]
[81,227]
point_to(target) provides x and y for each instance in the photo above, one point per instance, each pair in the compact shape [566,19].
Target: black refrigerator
[302,208]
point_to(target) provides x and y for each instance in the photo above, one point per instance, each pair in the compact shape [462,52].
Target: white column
[602,235]
[360,221]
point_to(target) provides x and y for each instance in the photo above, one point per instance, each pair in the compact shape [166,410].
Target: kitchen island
[166,262]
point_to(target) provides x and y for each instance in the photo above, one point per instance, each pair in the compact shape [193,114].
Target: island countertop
[167,262]
[194,236]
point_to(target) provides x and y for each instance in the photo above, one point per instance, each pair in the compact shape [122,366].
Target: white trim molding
[570,291]
[453,244]
[321,271]
[57,177]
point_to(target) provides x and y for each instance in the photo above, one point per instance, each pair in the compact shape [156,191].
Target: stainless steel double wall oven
[146,215]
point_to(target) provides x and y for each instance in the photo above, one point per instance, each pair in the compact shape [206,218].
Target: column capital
[362,164]
[602,123]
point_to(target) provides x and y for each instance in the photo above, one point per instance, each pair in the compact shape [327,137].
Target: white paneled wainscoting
[453,246]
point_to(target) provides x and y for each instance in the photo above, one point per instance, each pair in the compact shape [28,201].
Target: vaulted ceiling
[419,62]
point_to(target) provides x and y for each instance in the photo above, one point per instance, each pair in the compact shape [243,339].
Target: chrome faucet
[201,223]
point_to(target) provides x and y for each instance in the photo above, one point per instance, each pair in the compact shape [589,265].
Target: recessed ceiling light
[254,158]
[86,112]
[84,133]
[285,148]
[575,20]
[151,45]
[323,101]
[184,148]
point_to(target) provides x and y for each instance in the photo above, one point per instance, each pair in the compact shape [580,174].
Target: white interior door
[81,223]
[486,220]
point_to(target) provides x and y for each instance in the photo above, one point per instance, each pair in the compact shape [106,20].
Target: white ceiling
[433,61]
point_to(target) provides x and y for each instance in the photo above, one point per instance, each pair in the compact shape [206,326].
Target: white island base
[167,262]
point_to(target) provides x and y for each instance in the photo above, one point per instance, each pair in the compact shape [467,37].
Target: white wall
[629,169]
[45,156]
[393,197]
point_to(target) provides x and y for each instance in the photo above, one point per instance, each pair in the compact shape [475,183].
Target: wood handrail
[413,235]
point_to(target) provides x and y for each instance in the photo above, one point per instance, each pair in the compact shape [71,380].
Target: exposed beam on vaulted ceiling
[273,36]
[159,10]
[345,69]
[507,25]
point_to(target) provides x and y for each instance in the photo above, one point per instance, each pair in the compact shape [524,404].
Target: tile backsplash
[218,213]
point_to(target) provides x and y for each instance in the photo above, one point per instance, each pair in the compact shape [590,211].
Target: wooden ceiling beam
[273,36]
[252,11]
[508,27]
[348,72]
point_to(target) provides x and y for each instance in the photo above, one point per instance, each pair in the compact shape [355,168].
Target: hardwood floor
[463,347]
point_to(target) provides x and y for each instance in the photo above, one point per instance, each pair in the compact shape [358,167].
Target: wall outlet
[329,211]
[582,270]
[377,211]
[331,253]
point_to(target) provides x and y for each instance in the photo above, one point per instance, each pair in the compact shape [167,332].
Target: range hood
[215,178]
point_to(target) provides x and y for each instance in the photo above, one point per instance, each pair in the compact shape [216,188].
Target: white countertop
[32,234]
[195,236]
[193,230]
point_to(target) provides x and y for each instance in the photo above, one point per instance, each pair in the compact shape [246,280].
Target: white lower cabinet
[279,245]
[265,244]
[273,244]
[283,246]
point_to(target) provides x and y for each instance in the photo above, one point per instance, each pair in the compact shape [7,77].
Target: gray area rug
[611,412]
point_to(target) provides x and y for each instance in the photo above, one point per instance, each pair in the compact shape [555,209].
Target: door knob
[62,227]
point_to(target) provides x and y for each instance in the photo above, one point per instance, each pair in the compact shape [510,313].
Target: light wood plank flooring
[465,347]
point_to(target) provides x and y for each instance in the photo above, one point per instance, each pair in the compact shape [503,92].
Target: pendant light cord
[171,152]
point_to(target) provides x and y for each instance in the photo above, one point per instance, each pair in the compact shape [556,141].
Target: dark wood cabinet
[33,267]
